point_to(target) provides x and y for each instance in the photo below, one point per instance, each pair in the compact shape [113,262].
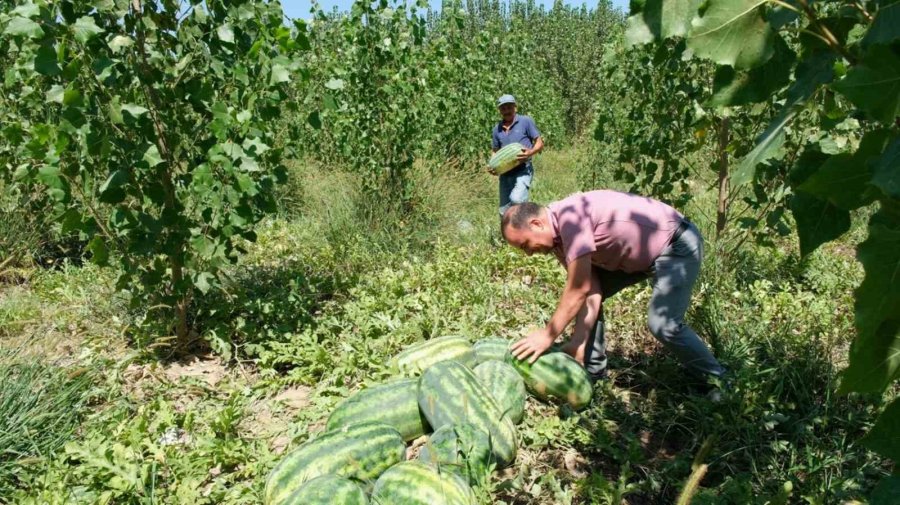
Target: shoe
[601,376]
[719,386]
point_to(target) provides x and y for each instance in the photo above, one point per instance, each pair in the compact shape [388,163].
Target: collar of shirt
[502,127]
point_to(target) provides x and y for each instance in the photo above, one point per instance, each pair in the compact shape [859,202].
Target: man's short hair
[518,215]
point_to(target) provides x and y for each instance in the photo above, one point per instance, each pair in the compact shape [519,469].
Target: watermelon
[506,385]
[328,490]
[449,393]
[459,448]
[415,359]
[359,451]
[392,403]
[491,348]
[504,159]
[556,375]
[414,483]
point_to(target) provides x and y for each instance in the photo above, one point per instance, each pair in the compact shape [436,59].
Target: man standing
[514,185]
[607,241]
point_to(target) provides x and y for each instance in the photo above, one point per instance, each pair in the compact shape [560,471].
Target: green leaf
[255,145]
[767,146]
[334,84]
[119,43]
[111,191]
[659,20]
[202,281]
[50,176]
[55,94]
[23,27]
[732,87]
[884,437]
[886,27]
[875,353]
[45,61]
[329,102]
[887,492]
[811,73]
[72,96]
[818,221]
[225,33]
[279,74]
[85,29]
[98,250]
[152,156]
[104,5]
[886,170]
[27,10]
[844,179]
[874,84]
[314,120]
[136,111]
[733,32]
[114,110]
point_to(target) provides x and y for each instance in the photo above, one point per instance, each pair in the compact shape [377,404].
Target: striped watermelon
[449,393]
[392,403]
[459,448]
[491,348]
[358,451]
[414,483]
[328,490]
[506,385]
[504,159]
[556,375]
[415,359]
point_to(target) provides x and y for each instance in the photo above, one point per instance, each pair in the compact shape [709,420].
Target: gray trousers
[673,273]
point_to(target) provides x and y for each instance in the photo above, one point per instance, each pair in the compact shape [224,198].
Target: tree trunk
[722,203]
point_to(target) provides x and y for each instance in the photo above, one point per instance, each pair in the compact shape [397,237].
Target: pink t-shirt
[620,231]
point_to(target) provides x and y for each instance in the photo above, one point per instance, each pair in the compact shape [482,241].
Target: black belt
[684,225]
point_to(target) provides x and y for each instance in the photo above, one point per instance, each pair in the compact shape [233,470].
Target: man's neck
[548,220]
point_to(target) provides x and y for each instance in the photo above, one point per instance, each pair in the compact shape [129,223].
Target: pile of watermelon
[469,398]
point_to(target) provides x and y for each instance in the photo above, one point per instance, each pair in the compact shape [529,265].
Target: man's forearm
[538,146]
[571,303]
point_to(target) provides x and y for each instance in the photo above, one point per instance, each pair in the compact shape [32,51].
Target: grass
[336,285]
[40,406]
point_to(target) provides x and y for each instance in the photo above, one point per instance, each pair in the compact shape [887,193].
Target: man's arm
[578,286]
[538,146]
[537,141]
[585,321]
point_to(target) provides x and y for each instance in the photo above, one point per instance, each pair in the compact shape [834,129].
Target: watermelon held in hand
[556,376]
[505,159]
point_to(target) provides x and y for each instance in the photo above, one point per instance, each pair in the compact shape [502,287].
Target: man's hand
[491,171]
[524,155]
[532,346]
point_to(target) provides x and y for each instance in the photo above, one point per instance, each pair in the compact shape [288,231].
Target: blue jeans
[514,186]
